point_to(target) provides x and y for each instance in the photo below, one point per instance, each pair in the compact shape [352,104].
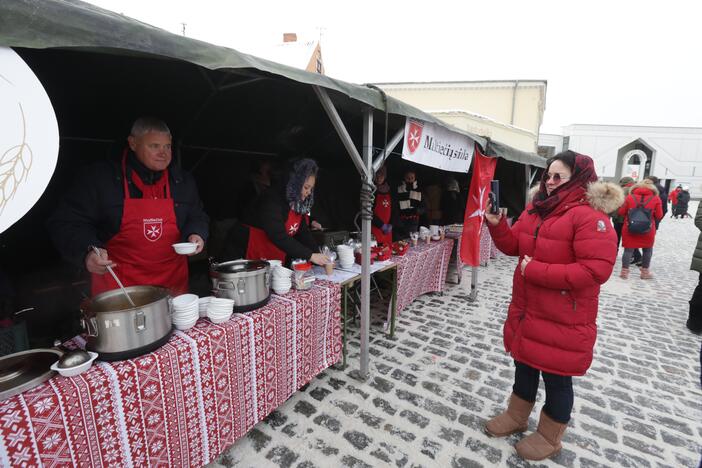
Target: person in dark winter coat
[453,205]
[662,193]
[683,202]
[694,320]
[409,199]
[132,209]
[642,194]
[567,248]
[277,228]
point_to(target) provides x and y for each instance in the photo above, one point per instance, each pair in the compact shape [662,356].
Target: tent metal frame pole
[473,284]
[340,128]
[366,241]
[388,149]
[529,179]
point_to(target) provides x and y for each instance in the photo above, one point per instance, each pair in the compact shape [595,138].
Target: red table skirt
[185,403]
[421,270]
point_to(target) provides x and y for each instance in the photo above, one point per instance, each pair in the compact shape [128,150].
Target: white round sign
[29,139]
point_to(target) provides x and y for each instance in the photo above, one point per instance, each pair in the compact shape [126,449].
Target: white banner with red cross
[433,145]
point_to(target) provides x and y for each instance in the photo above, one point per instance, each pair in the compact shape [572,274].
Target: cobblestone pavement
[431,390]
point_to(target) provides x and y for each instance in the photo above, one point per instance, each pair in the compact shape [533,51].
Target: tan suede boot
[543,443]
[646,274]
[624,274]
[514,419]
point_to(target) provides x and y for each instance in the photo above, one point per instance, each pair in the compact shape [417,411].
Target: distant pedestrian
[694,320]
[567,248]
[662,193]
[683,201]
[643,196]
[673,197]
[637,258]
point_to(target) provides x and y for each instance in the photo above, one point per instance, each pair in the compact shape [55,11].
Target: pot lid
[240,266]
[24,370]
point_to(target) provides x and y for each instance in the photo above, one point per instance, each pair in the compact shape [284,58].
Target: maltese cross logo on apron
[153,229]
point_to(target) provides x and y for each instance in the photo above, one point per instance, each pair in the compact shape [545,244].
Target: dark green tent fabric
[70,24]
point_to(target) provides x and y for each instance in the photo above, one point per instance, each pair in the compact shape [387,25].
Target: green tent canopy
[73,26]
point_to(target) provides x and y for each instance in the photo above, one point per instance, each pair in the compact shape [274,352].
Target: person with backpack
[618,220]
[642,211]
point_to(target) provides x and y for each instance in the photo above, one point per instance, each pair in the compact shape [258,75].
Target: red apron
[260,247]
[382,210]
[142,248]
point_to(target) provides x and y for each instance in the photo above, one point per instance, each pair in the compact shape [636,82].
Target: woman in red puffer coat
[644,194]
[567,248]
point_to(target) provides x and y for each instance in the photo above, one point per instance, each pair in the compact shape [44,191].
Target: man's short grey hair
[144,125]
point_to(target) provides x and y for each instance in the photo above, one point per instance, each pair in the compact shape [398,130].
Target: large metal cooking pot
[247,282]
[116,330]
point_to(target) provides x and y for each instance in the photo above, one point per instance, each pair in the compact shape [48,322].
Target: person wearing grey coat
[694,321]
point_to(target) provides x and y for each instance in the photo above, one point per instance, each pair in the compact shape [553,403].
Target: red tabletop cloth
[421,270]
[185,403]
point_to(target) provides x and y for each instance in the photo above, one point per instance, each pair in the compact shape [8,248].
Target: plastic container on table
[303,276]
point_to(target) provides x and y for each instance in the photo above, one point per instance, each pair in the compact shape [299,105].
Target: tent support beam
[473,283]
[388,149]
[340,128]
[366,216]
[529,178]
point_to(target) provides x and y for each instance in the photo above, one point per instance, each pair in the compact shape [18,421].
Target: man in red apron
[133,216]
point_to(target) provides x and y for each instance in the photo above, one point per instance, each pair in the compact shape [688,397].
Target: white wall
[677,151]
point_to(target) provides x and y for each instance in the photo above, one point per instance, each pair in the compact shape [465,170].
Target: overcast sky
[606,62]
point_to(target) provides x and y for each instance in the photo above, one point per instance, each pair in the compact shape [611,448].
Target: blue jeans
[559,390]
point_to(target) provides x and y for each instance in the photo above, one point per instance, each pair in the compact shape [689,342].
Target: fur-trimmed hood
[646,184]
[532,193]
[606,197]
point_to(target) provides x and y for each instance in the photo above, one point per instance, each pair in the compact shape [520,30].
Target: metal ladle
[71,357]
[119,283]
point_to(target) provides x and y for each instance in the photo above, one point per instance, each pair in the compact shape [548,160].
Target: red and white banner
[436,146]
[483,172]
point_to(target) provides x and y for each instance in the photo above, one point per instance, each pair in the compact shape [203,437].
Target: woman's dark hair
[566,157]
[300,171]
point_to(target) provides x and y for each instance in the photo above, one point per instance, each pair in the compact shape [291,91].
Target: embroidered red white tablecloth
[185,403]
[421,270]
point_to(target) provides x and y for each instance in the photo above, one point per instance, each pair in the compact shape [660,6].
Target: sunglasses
[557,178]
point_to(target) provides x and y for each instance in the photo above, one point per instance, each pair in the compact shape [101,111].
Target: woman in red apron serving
[278,227]
[381,226]
[130,210]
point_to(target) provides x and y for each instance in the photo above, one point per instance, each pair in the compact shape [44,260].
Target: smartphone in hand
[494,197]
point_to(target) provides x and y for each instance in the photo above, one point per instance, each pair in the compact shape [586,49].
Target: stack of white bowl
[346,258]
[202,304]
[220,309]
[282,280]
[185,311]
[274,264]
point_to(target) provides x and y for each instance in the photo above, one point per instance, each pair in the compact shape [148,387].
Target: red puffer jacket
[551,321]
[649,192]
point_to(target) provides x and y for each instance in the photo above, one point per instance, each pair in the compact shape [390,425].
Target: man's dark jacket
[91,212]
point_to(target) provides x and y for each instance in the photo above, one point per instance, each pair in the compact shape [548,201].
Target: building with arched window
[673,154]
